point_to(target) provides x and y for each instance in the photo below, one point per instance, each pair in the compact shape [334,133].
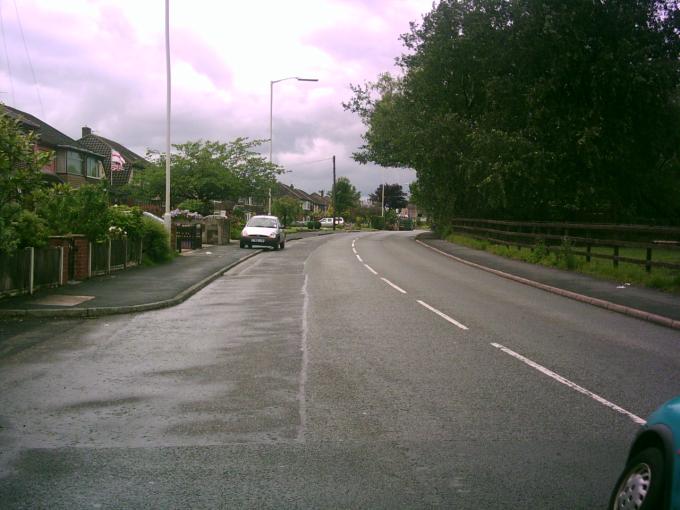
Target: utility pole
[335,200]
[166,217]
[382,209]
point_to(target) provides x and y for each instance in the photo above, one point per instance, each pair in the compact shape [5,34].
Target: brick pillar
[82,258]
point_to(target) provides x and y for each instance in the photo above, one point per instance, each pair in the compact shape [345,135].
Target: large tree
[207,171]
[535,109]
[345,197]
[395,196]
[20,177]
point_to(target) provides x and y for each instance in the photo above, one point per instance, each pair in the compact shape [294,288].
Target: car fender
[660,435]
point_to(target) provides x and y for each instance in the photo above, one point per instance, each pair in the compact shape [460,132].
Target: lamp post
[166,216]
[271,118]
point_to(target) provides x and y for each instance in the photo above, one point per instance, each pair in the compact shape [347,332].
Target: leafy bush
[127,219]
[156,242]
[405,224]
[378,222]
[67,210]
[235,229]
[197,206]
[314,225]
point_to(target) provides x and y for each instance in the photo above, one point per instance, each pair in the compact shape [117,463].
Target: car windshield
[262,222]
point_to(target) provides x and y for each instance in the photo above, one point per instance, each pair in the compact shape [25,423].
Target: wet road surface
[304,379]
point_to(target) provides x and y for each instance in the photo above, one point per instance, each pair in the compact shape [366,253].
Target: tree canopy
[208,170]
[528,109]
[395,196]
[345,197]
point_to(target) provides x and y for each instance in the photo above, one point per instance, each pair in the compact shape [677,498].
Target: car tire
[275,246]
[282,245]
[640,486]
[242,244]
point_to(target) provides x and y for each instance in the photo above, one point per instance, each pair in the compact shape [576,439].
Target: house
[73,163]
[321,203]
[311,206]
[119,161]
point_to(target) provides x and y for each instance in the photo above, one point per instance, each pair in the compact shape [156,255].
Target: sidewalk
[137,289]
[647,304]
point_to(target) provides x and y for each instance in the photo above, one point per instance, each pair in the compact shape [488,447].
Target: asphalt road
[358,371]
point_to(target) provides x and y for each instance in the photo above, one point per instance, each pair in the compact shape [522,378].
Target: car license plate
[257,240]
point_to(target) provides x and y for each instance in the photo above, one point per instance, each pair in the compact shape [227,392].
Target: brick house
[312,205]
[119,161]
[73,163]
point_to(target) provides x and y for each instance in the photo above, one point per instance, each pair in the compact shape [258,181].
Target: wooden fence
[579,238]
[28,269]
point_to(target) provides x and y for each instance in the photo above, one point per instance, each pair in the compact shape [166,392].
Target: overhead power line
[4,44]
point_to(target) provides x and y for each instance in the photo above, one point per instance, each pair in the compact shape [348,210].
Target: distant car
[651,478]
[328,222]
[263,231]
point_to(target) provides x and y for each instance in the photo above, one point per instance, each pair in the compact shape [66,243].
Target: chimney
[86,131]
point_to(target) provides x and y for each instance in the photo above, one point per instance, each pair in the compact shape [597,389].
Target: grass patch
[660,278]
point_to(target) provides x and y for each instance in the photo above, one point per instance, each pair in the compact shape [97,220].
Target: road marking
[443,315]
[353,242]
[354,250]
[371,269]
[571,384]
[302,383]
[393,285]
[359,258]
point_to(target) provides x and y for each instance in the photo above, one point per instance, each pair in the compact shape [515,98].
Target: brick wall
[81,257]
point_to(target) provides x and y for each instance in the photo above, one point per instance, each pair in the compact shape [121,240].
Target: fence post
[108,259]
[648,261]
[141,250]
[61,265]
[588,253]
[616,256]
[125,260]
[31,276]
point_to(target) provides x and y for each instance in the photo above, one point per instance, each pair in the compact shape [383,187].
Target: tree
[534,110]
[83,210]
[345,197]
[287,209]
[207,171]
[20,166]
[395,196]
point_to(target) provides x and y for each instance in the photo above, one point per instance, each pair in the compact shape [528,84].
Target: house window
[74,163]
[94,168]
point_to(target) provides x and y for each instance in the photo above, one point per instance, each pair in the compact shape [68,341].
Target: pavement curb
[608,305]
[116,310]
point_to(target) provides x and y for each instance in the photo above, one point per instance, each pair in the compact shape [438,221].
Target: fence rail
[557,236]
[114,255]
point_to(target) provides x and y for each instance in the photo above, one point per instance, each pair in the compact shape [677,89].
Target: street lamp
[271,117]
[166,217]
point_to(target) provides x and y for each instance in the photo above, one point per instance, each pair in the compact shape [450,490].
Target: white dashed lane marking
[442,315]
[393,285]
[570,384]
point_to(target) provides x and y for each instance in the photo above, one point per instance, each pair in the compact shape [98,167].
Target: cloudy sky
[101,63]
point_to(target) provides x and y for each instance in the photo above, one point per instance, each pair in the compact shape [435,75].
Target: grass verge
[660,278]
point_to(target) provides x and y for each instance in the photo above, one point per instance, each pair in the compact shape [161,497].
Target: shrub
[539,252]
[235,229]
[156,242]
[314,225]
[197,206]
[378,222]
[128,219]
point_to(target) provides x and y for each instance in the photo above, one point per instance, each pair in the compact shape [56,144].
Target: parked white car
[263,231]
[328,222]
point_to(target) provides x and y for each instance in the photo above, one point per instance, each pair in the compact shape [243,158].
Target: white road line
[353,242]
[354,250]
[570,384]
[371,269]
[302,383]
[359,258]
[443,315]
[393,285]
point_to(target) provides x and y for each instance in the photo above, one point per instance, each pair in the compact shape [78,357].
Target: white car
[263,231]
[328,222]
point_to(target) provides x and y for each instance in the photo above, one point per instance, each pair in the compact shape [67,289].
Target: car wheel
[275,246]
[282,245]
[640,486]
[242,244]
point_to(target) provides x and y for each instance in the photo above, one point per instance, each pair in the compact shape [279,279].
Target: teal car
[651,478]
